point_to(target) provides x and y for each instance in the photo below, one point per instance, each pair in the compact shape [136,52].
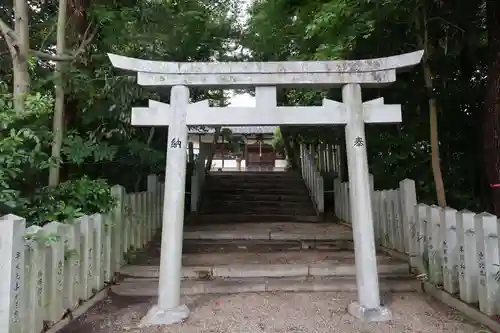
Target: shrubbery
[25,158]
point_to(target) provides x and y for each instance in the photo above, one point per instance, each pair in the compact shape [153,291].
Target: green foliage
[24,147]
[22,150]
[277,141]
[348,29]
[99,142]
[69,200]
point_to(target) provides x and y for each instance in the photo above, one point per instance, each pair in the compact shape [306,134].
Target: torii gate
[265,77]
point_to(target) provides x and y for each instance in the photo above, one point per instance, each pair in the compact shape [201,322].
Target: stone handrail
[197,180]
[49,271]
[327,157]
[458,250]
[312,178]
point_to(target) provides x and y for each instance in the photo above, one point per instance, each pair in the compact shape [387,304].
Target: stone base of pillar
[157,316]
[378,314]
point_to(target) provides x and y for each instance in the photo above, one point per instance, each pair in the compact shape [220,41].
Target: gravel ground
[275,313]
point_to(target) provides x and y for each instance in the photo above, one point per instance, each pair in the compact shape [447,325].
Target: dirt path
[275,313]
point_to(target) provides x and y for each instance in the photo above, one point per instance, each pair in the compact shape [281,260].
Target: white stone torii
[265,77]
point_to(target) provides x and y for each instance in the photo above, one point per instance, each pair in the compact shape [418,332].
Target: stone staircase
[253,257]
[255,197]
[289,249]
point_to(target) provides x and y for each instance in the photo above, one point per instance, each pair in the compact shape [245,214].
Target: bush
[25,158]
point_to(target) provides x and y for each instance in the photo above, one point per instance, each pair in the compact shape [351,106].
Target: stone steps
[206,261]
[222,259]
[263,186]
[203,218]
[253,197]
[209,208]
[259,197]
[251,175]
[385,268]
[269,231]
[262,246]
[149,287]
[255,191]
[236,203]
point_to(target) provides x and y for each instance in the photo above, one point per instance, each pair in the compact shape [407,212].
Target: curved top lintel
[398,62]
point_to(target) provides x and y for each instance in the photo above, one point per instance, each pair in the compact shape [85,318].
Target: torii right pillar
[368,306]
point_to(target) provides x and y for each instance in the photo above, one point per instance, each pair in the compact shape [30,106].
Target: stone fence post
[12,230]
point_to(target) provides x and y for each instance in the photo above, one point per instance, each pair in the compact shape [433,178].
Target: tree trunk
[58,120]
[20,59]
[210,156]
[423,37]
[491,114]
[290,153]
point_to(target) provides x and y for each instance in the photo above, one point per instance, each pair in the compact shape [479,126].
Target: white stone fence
[48,272]
[326,157]
[197,180]
[312,178]
[456,250]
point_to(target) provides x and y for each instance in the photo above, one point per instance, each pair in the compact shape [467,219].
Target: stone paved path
[275,313]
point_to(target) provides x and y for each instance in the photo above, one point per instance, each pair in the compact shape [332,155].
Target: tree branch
[12,42]
[9,36]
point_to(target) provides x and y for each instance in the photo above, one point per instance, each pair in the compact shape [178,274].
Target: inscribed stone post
[78,255]
[151,214]
[434,245]
[347,203]
[71,270]
[54,271]
[126,224]
[133,220]
[87,257]
[147,230]
[320,190]
[336,196]
[450,249]
[35,263]
[397,232]
[99,257]
[384,219]
[144,218]
[408,197]
[421,212]
[153,188]
[329,158]
[118,193]
[151,205]
[377,216]
[488,257]
[12,271]
[195,179]
[344,206]
[468,269]
[107,248]
[139,211]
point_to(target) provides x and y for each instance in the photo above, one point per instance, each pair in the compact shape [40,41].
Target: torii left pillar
[169,310]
